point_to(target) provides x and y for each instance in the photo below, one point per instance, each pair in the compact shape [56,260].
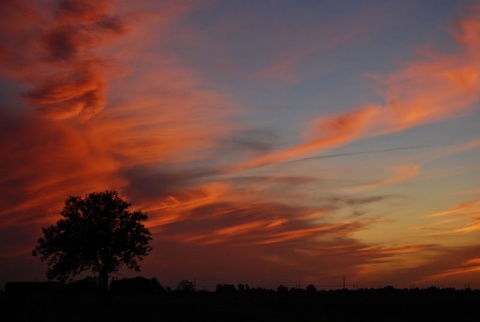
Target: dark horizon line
[247,287]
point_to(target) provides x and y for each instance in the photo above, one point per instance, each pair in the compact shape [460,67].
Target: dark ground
[386,304]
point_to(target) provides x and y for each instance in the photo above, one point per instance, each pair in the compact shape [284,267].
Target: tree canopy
[97,233]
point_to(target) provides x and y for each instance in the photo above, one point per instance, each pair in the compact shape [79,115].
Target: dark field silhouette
[99,234]
[141,299]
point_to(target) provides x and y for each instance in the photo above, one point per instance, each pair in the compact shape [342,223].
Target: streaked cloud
[66,77]
[400,173]
[461,218]
[427,90]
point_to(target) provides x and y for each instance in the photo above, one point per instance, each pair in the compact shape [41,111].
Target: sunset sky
[269,142]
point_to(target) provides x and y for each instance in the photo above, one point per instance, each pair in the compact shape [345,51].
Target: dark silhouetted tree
[97,233]
[225,289]
[311,288]
[282,289]
[186,286]
[136,286]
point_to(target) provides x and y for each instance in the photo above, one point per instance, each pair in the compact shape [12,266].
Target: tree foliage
[186,286]
[97,233]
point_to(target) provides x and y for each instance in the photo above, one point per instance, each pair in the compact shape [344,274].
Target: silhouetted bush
[29,288]
[225,289]
[86,286]
[251,304]
[311,288]
[186,286]
[242,287]
[282,289]
[136,286]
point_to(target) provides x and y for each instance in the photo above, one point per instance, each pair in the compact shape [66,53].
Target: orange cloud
[178,206]
[329,132]
[322,230]
[472,226]
[461,218]
[457,149]
[396,250]
[66,77]
[153,126]
[79,91]
[425,91]
[242,223]
[284,69]
[441,87]
[224,234]
[159,119]
[469,29]
[45,162]
[463,208]
[471,265]
[401,173]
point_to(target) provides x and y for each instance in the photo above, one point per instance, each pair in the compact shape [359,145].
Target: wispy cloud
[450,265]
[471,265]
[159,119]
[329,132]
[463,217]
[66,77]
[44,159]
[284,69]
[400,174]
[430,89]
[463,208]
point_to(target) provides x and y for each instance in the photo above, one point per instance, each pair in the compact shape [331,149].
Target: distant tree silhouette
[86,286]
[29,288]
[225,289]
[186,286]
[282,289]
[97,233]
[311,288]
[136,286]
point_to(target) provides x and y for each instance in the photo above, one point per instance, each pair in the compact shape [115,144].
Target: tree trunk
[104,294]
[103,281]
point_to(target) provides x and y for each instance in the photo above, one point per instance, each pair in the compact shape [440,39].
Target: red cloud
[66,77]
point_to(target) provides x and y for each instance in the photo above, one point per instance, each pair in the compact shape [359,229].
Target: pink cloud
[425,91]
[284,69]
[329,132]
[400,174]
